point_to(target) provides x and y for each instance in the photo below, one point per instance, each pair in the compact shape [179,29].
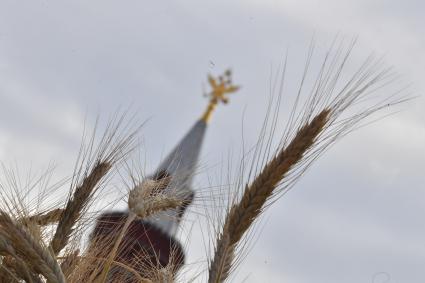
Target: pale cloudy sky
[355,217]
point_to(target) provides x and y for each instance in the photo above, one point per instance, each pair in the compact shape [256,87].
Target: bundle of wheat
[135,246]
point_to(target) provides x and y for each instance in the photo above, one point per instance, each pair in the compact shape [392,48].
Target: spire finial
[220,87]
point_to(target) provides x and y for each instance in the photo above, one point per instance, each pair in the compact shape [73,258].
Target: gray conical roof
[181,164]
[182,161]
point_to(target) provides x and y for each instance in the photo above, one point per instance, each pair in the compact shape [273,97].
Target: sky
[354,217]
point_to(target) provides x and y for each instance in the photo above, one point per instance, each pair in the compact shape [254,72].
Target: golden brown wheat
[75,205]
[149,198]
[35,255]
[242,215]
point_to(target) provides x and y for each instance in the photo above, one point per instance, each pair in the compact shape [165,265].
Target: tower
[151,243]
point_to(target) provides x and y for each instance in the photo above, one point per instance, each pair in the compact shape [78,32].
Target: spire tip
[220,87]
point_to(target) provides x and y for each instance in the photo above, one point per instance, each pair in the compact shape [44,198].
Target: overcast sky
[357,216]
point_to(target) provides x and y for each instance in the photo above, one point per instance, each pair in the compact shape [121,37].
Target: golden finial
[220,87]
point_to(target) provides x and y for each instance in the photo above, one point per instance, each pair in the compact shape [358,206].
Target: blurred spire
[151,241]
[181,163]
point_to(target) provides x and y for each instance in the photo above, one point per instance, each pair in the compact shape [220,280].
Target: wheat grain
[47,218]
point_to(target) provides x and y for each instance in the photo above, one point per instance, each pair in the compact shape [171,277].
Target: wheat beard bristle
[75,205]
[242,215]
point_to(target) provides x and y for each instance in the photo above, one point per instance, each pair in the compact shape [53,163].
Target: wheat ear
[144,200]
[34,254]
[243,214]
[150,197]
[76,204]
[12,267]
